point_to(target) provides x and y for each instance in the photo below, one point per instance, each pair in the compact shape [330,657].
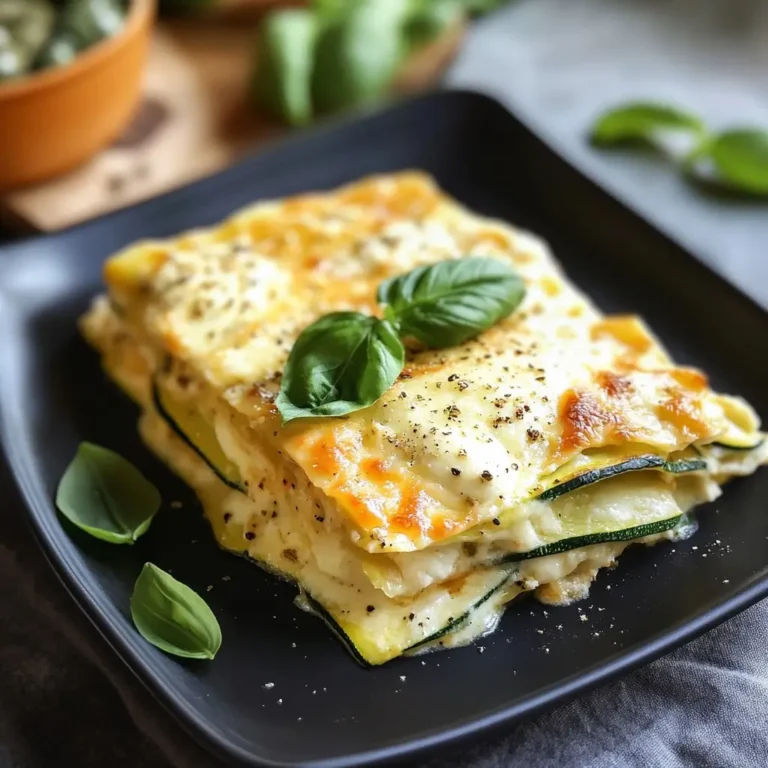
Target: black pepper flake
[455,471]
[486,475]
[453,377]
[370,608]
[250,535]
[290,554]
[319,518]
[533,434]
[411,616]
[496,521]
[227,517]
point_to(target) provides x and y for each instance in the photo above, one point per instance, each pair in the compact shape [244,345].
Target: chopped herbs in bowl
[37,34]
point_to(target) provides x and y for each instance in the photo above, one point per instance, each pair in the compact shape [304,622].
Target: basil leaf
[106,496]
[736,158]
[645,122]
[358,53]
[173,617]
[284,68]
[445,304]
[342,363]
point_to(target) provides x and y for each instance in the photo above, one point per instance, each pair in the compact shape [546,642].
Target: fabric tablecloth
[65,699]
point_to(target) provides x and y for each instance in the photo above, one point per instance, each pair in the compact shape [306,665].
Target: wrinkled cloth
[65,698]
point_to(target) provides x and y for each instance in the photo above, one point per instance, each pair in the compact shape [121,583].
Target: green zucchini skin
[457,622]
[744,448]
[630,465]
[565,545]
[158,403]
[317,608]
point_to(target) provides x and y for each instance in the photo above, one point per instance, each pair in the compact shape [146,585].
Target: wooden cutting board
[193,119]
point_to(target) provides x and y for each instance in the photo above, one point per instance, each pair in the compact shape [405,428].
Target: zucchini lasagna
[523,460]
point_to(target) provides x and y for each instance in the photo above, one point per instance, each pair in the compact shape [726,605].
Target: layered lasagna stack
[521,461]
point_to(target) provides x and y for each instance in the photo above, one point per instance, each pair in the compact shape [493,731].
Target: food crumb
[279,701]
[209,588]
[726,581]
[176,505]
[540,631]
[293,645]
[402,678]
[226,578]
[546,649]
[583,617]
[481,649]
[268,686]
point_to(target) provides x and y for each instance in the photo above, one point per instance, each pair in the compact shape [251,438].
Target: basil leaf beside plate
[283,74]
[173,617]
[739,159]
[445,304]
[106,496]
[644,121]
[341,363]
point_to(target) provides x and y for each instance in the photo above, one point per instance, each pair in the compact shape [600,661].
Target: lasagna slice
[523,460]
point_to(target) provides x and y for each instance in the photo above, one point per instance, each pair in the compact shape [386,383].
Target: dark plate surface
[323,708]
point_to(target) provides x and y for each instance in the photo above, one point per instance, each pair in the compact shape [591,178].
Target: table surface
[65,699]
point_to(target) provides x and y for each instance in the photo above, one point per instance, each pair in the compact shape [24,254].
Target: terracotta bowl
[56,119]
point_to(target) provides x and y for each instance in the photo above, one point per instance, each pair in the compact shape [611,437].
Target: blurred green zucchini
[283,73]
[358,54]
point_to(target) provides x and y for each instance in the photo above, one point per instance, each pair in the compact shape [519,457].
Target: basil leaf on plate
[341,363]
[105,495]
[173,617]
[736,158]
[284,68]
[357,54]
[445,304]
[644,121]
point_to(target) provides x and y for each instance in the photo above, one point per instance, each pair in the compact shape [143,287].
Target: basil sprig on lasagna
[346,361]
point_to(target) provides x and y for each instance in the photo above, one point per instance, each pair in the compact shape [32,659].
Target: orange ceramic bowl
[53,120]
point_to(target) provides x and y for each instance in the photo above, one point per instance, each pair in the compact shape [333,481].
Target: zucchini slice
[187,422]
[398,626]
[592,468]
[626,508]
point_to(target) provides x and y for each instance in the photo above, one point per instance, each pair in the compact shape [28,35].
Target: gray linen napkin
[65,699]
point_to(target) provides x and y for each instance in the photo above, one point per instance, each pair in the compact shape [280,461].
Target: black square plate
[323,709]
